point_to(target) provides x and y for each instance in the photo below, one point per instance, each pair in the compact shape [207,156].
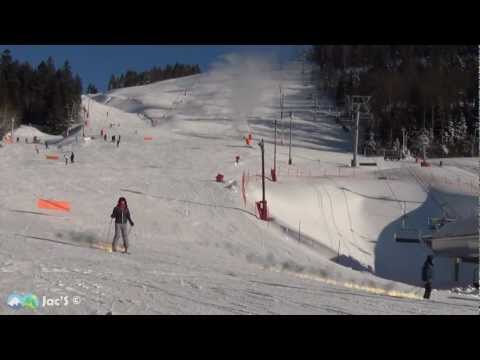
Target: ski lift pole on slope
[262,205]
[290,145]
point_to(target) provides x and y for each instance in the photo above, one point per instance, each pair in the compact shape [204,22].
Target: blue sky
[96,63]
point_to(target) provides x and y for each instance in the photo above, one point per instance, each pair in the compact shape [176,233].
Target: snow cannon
[274,174]
[262,209]
[219,178]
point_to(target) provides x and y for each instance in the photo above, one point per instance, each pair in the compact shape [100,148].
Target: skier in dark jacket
[72,158]
[121,214]
[427,276]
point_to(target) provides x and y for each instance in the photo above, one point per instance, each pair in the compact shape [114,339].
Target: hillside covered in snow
[198,246]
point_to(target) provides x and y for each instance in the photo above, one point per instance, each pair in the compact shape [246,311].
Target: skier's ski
[108,248]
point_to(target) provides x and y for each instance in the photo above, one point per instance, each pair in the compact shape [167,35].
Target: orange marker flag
[53,205]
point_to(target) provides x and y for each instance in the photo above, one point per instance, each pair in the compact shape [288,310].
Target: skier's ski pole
[109,229]
[105,229]
[136,238]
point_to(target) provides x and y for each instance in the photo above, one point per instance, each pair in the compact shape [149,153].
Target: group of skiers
[72,158]
[115,139]
[34,141]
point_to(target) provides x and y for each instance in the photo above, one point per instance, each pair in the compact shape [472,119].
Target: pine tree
[416,86]
[132,78]
[450,133]
[462,128]
[91,89]
[38,96]
[112,84]
[340,96]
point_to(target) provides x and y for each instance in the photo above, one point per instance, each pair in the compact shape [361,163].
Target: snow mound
[30,131]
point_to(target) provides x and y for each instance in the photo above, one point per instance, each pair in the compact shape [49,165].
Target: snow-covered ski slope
[197,247]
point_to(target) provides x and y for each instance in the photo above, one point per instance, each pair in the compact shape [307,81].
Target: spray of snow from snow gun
[247,77]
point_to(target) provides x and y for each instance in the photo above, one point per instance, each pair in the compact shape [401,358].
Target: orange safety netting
[146,138]
[52,157]
[53,205]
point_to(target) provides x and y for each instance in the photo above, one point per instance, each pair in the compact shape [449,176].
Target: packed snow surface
[198,246]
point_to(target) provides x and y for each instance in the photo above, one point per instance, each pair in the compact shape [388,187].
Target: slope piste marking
[54,205]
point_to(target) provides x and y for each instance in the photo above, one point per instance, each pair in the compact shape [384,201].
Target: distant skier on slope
[475,277]
[118,141]
[121,214]
[427,276]
[72,158]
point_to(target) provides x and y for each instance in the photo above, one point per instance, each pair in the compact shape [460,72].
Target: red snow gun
[262,210]
[274,175]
